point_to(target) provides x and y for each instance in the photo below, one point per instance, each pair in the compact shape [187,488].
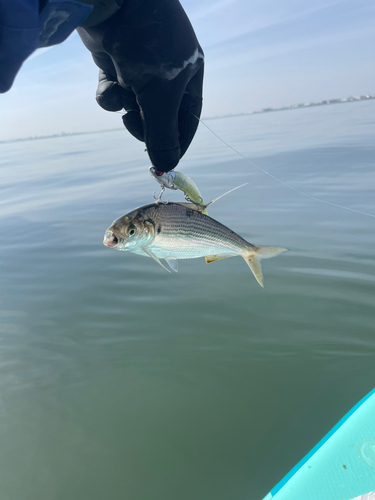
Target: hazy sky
[259,53]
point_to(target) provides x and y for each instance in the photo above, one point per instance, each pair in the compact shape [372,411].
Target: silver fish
[174,231]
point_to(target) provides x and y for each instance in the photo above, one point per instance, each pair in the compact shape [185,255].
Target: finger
[190,110]
[133,123]
[111,97]
[132,119]
[108,93]
[160,103]
[159,111]
[169,109]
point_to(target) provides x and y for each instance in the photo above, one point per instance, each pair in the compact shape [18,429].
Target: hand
[151,64]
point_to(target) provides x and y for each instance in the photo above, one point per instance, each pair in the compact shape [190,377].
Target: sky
[259,54]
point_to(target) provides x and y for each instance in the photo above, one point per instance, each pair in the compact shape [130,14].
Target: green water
[121,381]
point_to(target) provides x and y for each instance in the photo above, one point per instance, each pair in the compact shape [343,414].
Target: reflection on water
[119,380]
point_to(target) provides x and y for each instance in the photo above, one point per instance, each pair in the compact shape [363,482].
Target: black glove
[151,64]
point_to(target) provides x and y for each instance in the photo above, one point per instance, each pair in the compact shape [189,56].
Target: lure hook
[158,199]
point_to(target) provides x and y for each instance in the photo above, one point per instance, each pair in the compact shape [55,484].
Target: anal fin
[213,258]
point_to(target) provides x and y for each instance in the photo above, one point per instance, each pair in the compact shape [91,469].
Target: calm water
[120,381]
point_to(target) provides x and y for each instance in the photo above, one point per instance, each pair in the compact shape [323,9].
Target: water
[121,381]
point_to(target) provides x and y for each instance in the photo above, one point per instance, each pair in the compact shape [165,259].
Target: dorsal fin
[218,198]
[202,208]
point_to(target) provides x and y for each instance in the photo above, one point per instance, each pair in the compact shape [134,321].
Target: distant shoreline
[342,100]
[58,136]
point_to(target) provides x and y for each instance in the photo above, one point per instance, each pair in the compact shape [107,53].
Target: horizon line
[342,100]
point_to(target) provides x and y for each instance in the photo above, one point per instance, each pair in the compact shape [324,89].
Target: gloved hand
[151,64]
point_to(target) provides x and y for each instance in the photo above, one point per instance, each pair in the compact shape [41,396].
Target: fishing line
[279,180]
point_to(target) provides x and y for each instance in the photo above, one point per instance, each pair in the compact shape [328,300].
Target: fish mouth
[110,240]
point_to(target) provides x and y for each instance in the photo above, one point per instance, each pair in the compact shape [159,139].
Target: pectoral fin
[213,258]
[150,254]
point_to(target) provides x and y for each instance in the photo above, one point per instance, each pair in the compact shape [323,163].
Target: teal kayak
[341,466]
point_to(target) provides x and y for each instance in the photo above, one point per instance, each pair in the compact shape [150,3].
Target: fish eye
[131,231]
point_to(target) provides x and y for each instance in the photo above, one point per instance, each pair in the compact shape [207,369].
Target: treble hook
[158,199]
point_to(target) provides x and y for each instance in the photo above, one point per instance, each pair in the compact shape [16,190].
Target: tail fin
[260,253]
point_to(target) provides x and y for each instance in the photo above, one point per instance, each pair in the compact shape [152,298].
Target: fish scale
[204,235]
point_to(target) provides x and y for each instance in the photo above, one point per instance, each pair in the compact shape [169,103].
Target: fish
[173,231]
